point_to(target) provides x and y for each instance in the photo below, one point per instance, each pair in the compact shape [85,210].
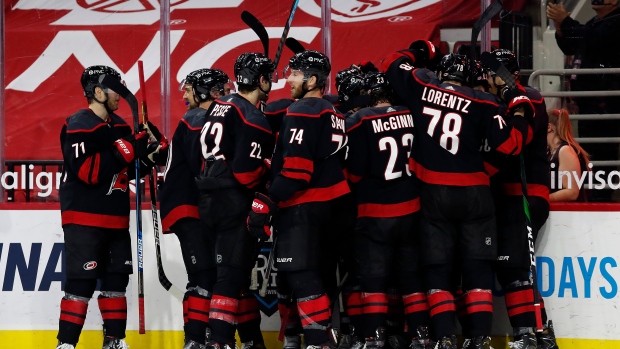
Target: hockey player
[458,222]
[99,151]
[513,263]
[308,177]
[351,91]
[234,143]
[386,240]
[179,202]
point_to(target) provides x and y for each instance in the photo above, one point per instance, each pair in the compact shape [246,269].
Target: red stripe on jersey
[95,174]
[490,169]
[448,178]
[512,146]
[520,302]
[95,220]
[304,176]
[515,189]
[353,178]
[181,211]
[84,172]
[89,129]
[317,194]
[190,126]
[478,301]
[317,115]
[530,134]
[245,121]
[415,302]
[250,179]
[441,302]
[388,210]
[298,163]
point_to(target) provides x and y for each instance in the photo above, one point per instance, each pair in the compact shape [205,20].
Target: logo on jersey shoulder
[120,181]
[90,265]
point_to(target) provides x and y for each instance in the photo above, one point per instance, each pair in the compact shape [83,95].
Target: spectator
[572,159]
[591,43]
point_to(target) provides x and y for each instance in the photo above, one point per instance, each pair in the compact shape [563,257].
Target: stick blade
[251,21]
[294,45]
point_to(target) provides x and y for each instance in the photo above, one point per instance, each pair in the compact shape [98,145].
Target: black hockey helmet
[349,83]
[508,59]
[250,66]
[93,76]
[453,67]
[206,81]
[190,79]
[480,74]
[376,83]
[311,63]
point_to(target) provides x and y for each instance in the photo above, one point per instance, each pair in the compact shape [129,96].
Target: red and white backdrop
[48,44]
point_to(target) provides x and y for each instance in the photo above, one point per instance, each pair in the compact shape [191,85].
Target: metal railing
[534,81]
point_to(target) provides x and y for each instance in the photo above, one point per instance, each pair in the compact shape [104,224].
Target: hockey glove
[131,147]
[259,218]
[521,106]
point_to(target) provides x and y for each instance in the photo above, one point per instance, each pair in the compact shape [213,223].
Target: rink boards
[577,259]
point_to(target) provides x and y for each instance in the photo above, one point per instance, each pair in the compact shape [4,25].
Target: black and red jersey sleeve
[275,111]
[87,148]
[357,148]
[254,144]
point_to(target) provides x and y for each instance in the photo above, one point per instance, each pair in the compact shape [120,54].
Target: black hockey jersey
[93,191]
[179,194]
[305,162]
[451,123]
[275,111]
[236,131]
[380,140]
[508,180]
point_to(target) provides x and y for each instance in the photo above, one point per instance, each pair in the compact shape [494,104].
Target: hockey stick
[263,288]
[122,91]
[294,45]
[499,69]
[258,28]
[163,279]
[287,27]
[487,15]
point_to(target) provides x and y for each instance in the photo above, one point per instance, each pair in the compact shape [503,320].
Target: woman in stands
[568,161]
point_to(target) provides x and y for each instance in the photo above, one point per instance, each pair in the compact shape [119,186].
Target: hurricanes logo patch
[90,265]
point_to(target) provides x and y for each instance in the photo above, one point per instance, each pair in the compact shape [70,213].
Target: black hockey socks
[353,302]
[315,315]
[72,317]
[223,319]
[416,310]
[520,304]
[113,307]
[198,306]
[479,312]
[395,320]
[248,317]
[374,312]
[443,312]
[289,317]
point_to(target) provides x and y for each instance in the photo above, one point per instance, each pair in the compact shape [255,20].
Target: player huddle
[395,202]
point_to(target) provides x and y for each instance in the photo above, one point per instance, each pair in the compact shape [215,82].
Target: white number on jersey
[407,141]
[77,147]
[214,129]
[450,127]
[298,135]
[255,153]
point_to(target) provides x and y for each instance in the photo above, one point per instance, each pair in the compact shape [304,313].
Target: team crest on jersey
[90,265]
[120,181]
[361,10]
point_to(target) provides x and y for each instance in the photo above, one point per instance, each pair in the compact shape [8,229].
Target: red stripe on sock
[478,301]
[113,308]
[441,302]
[314,311]
[198,308]
[415,302]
